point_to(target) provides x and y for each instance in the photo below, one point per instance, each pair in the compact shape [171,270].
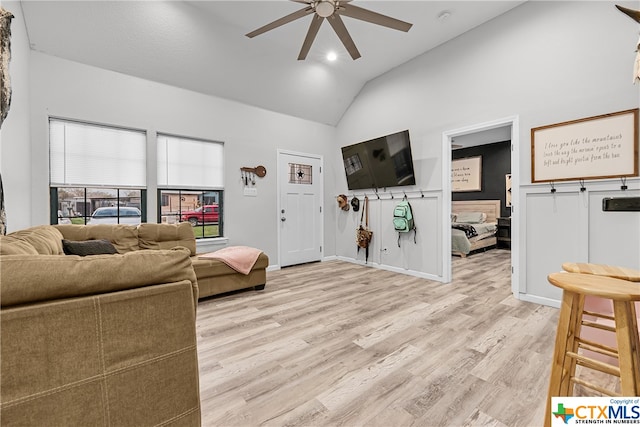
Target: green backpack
[403,221]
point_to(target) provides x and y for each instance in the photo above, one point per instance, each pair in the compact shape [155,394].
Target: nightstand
[503,233]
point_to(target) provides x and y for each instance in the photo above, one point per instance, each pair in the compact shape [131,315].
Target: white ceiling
[201,46]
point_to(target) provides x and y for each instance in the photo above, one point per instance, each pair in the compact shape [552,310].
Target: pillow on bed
[471,217]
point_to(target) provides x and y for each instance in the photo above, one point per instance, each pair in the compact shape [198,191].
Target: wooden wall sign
[596,147]
[466,174]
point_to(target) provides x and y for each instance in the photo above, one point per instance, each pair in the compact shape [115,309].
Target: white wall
[545,62]
[252,136]
[570,226]
[15,146]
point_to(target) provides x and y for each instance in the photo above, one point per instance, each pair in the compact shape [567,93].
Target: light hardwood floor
[335,343]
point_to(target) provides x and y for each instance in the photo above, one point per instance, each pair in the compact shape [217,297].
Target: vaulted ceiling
[201,46]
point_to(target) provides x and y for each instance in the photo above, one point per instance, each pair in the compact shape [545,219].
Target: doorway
[457,135]
[300,221]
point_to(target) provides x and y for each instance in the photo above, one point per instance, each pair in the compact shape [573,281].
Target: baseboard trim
[413,273]
[539,300]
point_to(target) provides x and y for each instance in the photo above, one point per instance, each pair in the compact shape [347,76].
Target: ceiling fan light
[325,8]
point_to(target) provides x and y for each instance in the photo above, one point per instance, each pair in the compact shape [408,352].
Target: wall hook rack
[553,187]
[623,187]
[259,171]
[582,187]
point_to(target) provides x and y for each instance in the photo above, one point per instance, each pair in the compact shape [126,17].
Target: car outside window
[116,215]
[82,205]
[201,208]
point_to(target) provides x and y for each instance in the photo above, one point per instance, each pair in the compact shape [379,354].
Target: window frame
[180,184]
[202,226]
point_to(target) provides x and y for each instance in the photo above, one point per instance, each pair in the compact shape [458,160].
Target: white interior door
[300,208]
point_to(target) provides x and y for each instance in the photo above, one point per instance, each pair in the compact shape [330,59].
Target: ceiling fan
[332,10]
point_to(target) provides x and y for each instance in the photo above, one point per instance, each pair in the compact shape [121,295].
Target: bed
[469,216]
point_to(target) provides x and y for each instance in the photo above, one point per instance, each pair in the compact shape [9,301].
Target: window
[300,174]
[95,167]
[190,184]
[85,205]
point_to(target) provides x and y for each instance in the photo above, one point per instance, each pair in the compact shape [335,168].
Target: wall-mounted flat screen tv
[379,163]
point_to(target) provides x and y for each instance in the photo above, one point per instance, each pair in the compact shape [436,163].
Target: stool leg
[627,338]
[636,345]
[572,345]
[563,367]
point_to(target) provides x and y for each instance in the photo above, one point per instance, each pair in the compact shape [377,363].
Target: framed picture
[597,147]
[466,174]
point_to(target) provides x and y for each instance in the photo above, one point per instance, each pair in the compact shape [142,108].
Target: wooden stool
[568,344]
[603,270]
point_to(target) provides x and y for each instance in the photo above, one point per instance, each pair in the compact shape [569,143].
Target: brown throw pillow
[88,247]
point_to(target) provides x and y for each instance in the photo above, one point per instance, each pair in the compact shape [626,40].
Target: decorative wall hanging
[248,174]
[635,15]
[5,91]
[5,57]
[466,174]
[596,147]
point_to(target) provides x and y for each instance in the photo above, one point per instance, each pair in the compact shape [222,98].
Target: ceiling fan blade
[311,36]
[284,20]
[373,17]
[343,35]
[302,1]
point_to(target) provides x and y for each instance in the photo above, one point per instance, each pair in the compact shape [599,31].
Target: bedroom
[481,171]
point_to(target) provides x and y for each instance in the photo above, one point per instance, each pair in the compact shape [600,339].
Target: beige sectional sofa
[105,339]
[214,277]
[96,340]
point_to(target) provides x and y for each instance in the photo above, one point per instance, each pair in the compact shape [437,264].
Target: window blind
[83,154]
[190,163]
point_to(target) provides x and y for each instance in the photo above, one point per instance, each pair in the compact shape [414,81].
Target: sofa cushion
[71,276]
[123,237]
[10,245]
[45,239]
[166,236]
[88,247]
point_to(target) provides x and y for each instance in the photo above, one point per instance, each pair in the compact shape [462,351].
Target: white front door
[300,208]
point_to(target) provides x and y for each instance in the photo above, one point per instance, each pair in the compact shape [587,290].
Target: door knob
[283,219]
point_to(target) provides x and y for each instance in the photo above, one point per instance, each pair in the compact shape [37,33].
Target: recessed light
[444,15]
[331,56]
